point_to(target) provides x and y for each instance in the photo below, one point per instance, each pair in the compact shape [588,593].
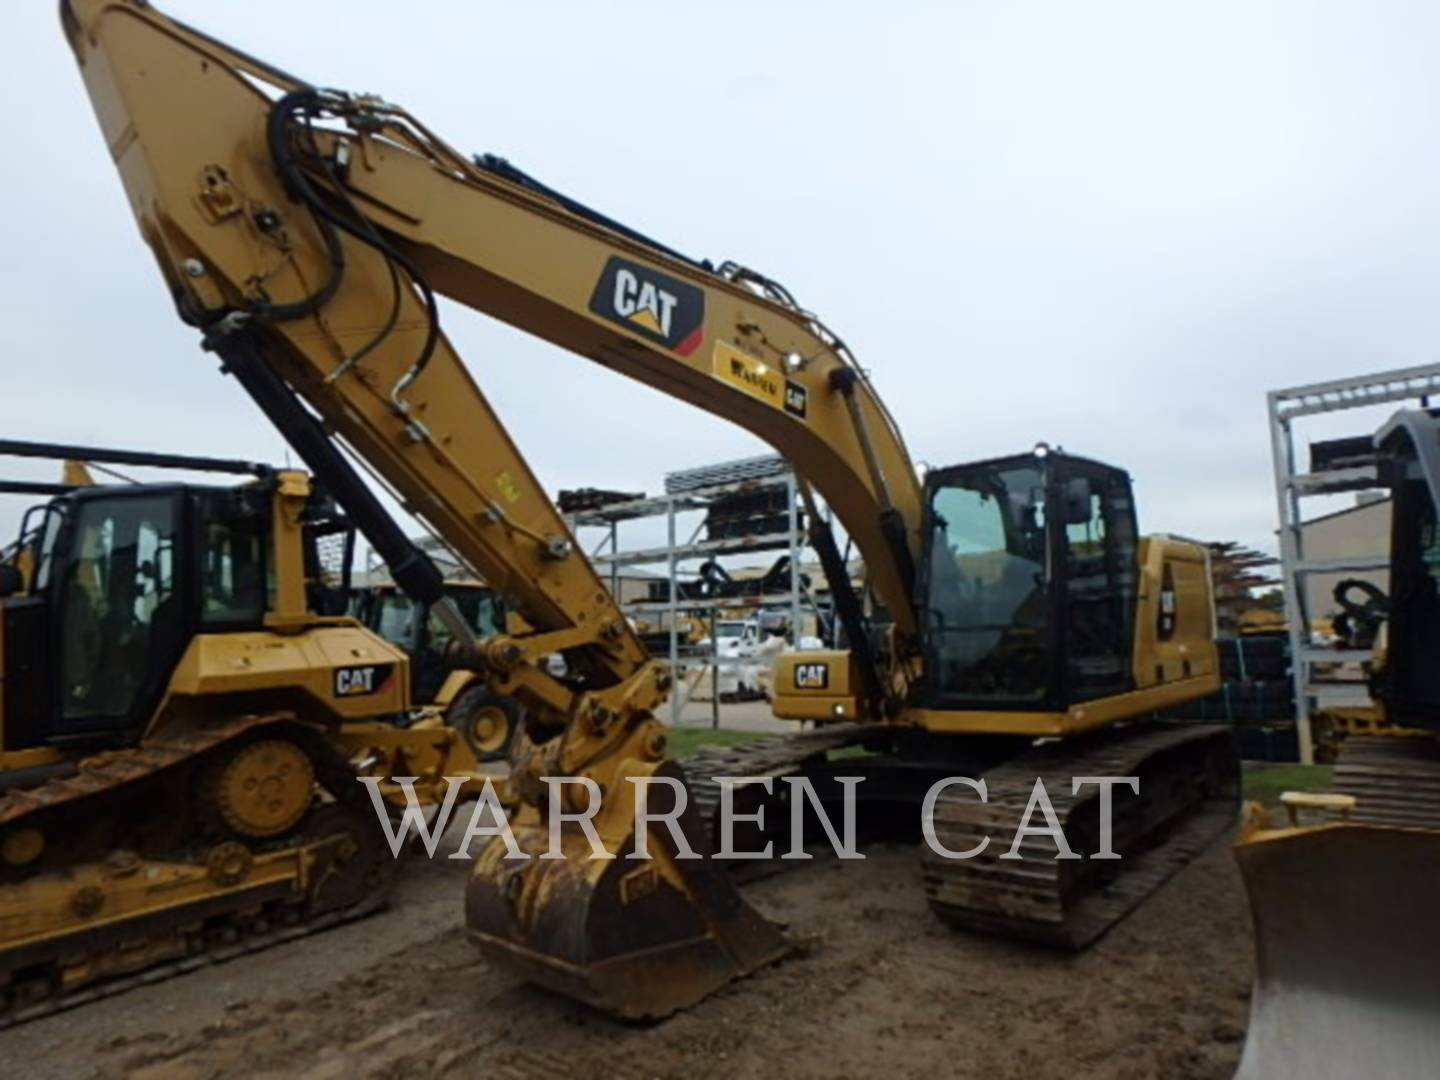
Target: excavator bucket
[638,938]
[1347,940]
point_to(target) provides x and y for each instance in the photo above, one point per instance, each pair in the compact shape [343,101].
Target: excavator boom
[307,232]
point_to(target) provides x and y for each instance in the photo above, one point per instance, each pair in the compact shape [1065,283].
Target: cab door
[117,614]
[1096,543]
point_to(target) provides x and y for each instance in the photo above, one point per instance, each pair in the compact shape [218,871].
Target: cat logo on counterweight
[812,676]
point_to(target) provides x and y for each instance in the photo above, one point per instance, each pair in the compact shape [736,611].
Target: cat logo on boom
[654,305]
[365,679]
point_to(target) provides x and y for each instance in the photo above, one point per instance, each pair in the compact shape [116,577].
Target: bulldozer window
[120,619]
[234,587]
[987,585]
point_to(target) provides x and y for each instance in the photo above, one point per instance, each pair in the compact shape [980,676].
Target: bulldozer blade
[636,938]
[1347,936]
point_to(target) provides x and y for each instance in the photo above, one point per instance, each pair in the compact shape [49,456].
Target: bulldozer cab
[1028,583]
[124,576]
[1409,682]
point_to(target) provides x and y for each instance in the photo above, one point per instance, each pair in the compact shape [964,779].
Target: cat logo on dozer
[358,681]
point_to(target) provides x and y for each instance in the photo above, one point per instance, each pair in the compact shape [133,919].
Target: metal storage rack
[1291,488]
[697,490]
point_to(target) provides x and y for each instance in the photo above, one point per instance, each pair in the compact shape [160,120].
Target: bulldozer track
[1189,794]
[242,944]
[1395,779]
[38,976]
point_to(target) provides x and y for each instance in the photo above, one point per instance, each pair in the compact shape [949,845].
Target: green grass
[687,740]
[1266,783]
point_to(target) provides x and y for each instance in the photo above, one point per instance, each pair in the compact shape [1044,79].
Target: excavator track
[1395,779]
[765,756]
[1189,781]
[1189,793]
[163,888]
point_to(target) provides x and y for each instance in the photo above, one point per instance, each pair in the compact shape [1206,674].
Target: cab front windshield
[987,585]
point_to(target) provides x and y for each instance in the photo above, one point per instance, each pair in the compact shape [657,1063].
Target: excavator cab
[1028,583]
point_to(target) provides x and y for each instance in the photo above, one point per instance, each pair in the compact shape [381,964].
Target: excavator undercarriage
[1188,781]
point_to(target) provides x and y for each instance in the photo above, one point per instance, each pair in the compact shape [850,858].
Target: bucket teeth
[639,938]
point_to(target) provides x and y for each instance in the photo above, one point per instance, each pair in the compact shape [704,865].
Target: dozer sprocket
[1189,792]
[124,878]
[1395,779]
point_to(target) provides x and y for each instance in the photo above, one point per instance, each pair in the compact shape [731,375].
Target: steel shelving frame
[680,498]
[1292,487]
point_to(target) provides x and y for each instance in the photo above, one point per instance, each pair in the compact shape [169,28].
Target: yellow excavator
[184,711]
[1344,909]
[1020,625]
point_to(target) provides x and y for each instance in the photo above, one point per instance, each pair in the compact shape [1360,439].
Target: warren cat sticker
[760,379]
[363,679]
[812,676]
[654,305]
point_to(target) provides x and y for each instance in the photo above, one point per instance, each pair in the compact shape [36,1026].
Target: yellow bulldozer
[185,708]
[1018,627]
[1344,909]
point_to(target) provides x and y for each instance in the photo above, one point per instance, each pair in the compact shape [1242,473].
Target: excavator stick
[1347,932]
[637,937]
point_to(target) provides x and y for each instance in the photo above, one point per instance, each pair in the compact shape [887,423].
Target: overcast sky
[1111,226]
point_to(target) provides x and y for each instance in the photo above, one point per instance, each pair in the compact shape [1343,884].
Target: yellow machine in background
[487,721]
[1346,934]
[306,233]
[184,708]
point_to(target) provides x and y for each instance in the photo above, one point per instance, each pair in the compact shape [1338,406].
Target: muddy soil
[883,989]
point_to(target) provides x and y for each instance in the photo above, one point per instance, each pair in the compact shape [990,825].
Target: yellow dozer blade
[1347,950]
[638,938]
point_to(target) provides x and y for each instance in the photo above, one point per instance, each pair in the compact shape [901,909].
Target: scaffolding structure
[690,491]
[1292,487]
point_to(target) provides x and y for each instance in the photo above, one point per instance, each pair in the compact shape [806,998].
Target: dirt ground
[884,989]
